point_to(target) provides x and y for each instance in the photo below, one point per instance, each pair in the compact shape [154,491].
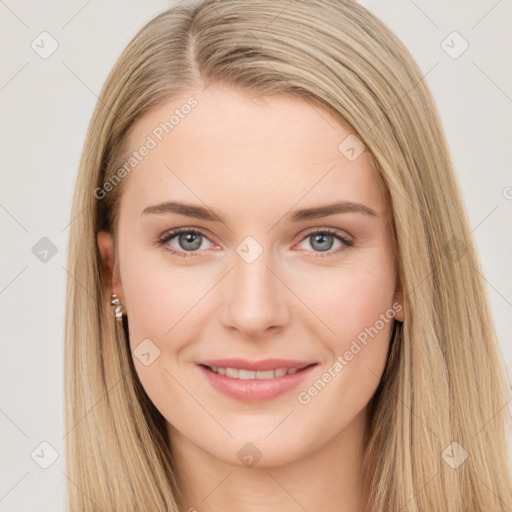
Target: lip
[255,390]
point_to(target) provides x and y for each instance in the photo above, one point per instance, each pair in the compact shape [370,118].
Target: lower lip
[255,390]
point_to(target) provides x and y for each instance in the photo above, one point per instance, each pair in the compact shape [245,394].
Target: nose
[255,299]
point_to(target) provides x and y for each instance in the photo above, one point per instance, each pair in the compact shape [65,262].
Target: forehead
[220,145]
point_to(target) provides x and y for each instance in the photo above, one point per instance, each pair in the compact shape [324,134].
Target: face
[258,272]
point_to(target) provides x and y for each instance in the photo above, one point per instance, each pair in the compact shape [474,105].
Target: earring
[119,307]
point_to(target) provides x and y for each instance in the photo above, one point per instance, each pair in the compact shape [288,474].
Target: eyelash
[190,254]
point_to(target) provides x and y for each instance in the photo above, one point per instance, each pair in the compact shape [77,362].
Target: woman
[276,302]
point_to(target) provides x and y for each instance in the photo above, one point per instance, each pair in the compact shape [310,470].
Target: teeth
[246,374]
[235,373]
[231,372]
[267,374]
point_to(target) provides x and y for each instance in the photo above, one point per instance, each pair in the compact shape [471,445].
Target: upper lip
[264,364]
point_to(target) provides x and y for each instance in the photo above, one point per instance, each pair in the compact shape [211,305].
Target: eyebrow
[200,212]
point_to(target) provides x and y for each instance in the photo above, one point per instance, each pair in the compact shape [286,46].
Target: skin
[254,160]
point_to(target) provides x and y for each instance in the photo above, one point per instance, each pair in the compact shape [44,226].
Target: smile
[252,386]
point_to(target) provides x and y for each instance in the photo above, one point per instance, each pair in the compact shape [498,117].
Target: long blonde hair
[445,380]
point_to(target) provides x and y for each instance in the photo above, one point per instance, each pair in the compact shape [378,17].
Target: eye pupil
[190,238]
[318,238]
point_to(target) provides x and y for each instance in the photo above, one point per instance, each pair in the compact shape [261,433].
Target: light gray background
[46,105]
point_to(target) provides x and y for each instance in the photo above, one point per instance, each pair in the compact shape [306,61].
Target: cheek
[165,315]
[348,299]
[357,307]
[164,301]
[353,320]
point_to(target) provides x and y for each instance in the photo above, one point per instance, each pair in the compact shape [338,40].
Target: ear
[398,298]
[111,277]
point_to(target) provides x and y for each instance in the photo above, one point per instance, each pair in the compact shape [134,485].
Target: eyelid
[171,233]
[333,231]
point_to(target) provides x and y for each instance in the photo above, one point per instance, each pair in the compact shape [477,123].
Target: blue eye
[190,241]
[323,240]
